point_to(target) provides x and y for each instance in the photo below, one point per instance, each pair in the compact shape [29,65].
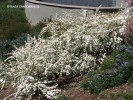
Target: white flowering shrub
[77,46]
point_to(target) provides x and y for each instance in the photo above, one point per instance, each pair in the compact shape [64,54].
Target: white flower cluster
[28,87]
[77,46]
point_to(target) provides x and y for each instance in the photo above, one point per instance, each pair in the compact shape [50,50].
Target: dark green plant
[112,96]
[61,96]
[13,22]
[13,25]
[121,96]
[36,29]
[127,96]
[108,63]
[105,80]
[14,31]
[130,80]
[18,2]
[116,69]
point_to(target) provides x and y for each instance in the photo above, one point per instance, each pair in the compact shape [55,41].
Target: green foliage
[107,79]
[14,31]
[35,30]
[14,25]
[122,96]
[127,96]
[60,96]
[15,2]
[38,27]
[13,22]
[107,63]
[130,80]
[115,69]
[112,96]
[21,2]
[125,55]
[99,82]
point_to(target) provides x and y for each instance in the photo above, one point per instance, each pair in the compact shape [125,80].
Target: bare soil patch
[73,91]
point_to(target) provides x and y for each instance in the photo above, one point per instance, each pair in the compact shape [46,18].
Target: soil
[72,91]
[6,92]
[75,92]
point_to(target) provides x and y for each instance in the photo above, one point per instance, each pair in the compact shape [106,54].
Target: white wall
[34,15]
[45,10]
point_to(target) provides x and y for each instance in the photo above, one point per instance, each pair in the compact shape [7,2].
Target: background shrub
[13,22]
[14,27]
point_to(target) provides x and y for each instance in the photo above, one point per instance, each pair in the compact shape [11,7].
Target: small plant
[108,63]
[61,96]
[123,95]
[127,96]
[112,96]
[36,29]
[130,80]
